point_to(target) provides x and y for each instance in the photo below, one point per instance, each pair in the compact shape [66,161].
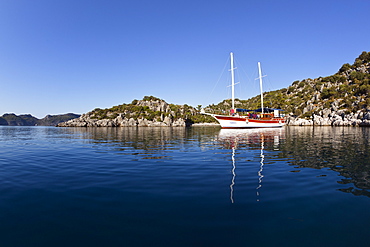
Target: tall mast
[232,80]
[260,76]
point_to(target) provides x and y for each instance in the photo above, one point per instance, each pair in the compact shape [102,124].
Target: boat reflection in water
[250,139]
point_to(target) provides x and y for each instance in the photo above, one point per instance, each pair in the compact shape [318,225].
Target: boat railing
[249,115]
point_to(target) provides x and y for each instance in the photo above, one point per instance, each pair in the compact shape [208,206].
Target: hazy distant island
[341,99]
[29,120]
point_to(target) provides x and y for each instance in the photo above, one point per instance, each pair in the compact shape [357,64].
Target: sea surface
[200,186]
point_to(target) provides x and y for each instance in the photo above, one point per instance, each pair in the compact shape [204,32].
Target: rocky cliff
[86,120]
[334,118]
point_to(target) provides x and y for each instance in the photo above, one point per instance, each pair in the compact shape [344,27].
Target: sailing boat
[258,118]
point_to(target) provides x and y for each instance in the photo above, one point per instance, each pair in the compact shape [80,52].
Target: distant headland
[29,120]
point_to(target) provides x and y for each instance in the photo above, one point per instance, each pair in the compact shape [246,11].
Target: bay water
[199,186]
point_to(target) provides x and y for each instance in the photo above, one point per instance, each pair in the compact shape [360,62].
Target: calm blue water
[296,186]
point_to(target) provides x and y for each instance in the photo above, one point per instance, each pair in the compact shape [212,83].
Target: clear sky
[61,56]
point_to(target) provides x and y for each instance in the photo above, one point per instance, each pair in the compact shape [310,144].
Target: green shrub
[345,67]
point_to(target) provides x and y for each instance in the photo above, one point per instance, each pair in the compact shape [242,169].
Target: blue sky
[60,56]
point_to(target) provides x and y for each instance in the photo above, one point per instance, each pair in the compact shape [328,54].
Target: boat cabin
[265,113]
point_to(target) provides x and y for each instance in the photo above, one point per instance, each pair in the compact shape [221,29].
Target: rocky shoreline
[120,121]
[332,119]
[329,119]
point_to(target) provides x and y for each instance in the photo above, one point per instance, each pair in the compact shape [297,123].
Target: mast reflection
[233,178]
[260,176]
[249,139]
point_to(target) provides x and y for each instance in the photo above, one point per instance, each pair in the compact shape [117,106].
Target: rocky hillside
[150,111]
[340,99]
[29,120]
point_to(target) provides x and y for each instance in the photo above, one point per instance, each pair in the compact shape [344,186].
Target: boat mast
[260,77]
[232,80]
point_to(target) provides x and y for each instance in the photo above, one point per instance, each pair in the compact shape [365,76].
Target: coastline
[333,119]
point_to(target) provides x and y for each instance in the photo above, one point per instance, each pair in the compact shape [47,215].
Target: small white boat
[258,118]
